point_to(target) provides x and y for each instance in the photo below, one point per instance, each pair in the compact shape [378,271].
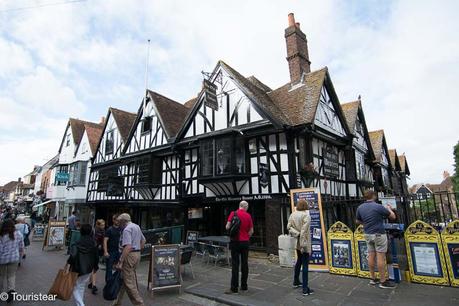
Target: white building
[67,186]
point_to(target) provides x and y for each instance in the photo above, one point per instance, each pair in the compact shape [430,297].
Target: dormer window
[146,124]
[109,143]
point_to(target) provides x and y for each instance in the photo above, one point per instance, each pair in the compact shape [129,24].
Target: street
[269,284]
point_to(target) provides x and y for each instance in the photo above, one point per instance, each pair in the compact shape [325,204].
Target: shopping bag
[113,286]
[63,284]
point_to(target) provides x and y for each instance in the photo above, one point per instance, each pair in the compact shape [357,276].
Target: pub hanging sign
[210,94]
[331,161]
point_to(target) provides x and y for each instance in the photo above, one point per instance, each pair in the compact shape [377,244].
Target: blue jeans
[109,262]
[302,260]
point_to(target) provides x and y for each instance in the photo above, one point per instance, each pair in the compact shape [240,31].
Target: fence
[436,209]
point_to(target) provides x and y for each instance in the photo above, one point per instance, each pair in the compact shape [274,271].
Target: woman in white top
[298,226]
[22,227]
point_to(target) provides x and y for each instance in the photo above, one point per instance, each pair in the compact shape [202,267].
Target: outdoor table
[219,240]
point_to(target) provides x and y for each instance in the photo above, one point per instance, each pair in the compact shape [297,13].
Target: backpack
[234,226]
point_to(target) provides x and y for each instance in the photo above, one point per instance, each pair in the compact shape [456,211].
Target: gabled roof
[77,126]
[394,160]
[171,113]
[404,164]
[259,84]
[351,112]
[378,140]
[262,100]
[300,102]
[124,121]
[94,134]
[9,186]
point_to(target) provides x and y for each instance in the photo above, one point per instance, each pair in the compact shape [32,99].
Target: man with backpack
[240,226]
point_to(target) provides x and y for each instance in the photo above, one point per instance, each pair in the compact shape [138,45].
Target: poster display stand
[341,249]
[426,259]
[164,270]
[361,254]
[55,234]
[450,239]
[318,261]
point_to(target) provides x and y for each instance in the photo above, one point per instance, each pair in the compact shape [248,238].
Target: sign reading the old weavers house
[331,165]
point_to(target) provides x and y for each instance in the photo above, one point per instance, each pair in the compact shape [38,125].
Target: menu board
[318,259]
[165,267]
[55,235]
[38,232]
[192,237]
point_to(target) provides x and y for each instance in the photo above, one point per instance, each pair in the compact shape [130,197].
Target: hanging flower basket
[308,174]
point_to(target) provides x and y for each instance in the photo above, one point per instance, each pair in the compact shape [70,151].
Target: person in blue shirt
[372,215]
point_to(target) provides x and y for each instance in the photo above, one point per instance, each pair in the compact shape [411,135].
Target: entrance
[211,218]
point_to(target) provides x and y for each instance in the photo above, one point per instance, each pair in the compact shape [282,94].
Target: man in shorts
[372,215]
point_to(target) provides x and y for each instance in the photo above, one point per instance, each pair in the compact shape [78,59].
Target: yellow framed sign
[318,259]
[450,239]
[361,254]
[341,249]
[426,259]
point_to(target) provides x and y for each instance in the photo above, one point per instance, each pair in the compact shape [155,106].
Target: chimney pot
[291,20]
[297,25]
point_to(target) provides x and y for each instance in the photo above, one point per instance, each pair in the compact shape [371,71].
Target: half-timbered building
[107,177]
[396,172]
[362,156]
[382,170]
[404,174]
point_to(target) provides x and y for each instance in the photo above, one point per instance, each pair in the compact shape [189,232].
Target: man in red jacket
[240,248]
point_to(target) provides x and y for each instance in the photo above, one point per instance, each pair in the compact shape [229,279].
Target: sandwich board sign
[426,259]
[318,259]
[341,249]
[450,239]
[55,234]
[361,254]
[164,267]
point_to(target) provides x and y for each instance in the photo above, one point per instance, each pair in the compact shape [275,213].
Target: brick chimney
[445,174]
[102,120]
[297,50]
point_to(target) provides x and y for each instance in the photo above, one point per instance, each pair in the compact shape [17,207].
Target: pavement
[268,283]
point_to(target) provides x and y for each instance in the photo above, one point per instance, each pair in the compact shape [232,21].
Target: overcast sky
[76,60]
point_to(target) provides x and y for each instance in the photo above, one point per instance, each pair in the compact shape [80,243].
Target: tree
[456,168]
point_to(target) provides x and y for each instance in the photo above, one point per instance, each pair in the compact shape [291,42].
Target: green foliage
[456,168]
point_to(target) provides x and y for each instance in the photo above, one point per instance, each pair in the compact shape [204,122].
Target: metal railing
[436,209]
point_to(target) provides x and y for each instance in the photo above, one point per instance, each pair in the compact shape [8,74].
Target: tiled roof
[124,121]
[77,127]
[263,100]
[172,114]
[259,84]
[300,103]
[404,164]
[394,159]
[190,103]
[376,139]
[351,110]
[94,134]
[10,186]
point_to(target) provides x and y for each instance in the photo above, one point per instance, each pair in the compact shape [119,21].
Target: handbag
[64,283]
[113,286]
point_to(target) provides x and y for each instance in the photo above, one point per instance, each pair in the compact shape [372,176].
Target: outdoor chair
[215,252]
[200,249]
[185,259]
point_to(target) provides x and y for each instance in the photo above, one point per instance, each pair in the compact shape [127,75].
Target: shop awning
[41,204]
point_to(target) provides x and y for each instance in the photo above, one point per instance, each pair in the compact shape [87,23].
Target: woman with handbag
[298,226]
[84,260]
[11,250]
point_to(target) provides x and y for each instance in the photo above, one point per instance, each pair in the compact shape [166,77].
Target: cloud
[76,60]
